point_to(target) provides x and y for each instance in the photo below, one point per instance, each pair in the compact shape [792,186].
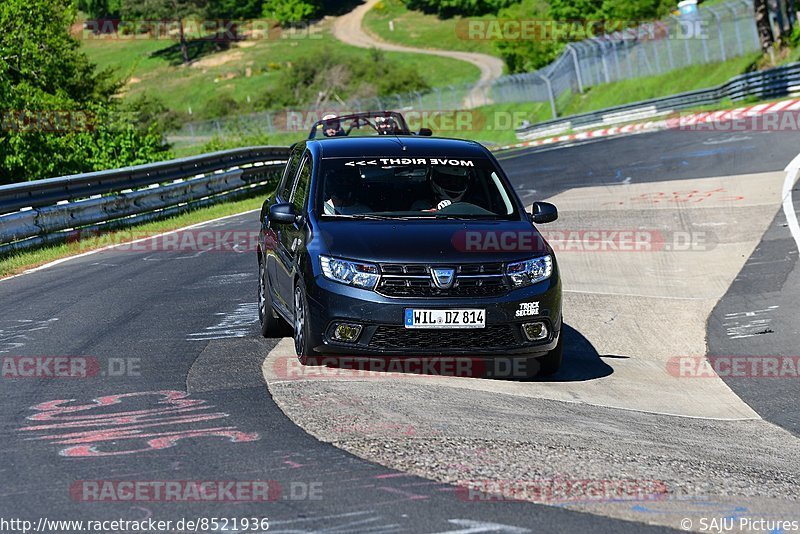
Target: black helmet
[450,183]
[386,125]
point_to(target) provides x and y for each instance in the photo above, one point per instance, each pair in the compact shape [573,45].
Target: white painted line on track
[792,171]
[115,245]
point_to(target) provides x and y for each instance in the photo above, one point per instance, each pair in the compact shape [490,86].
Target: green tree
[166,10]
[100,9]
[526,55]
[450,8]
[44,79]
[234,9]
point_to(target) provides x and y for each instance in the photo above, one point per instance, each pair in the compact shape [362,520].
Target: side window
[289,173]
[300,193]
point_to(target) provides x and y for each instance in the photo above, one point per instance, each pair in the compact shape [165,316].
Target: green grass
[607,95]
[21,261]
[414,28]
[246,70]
[674,82]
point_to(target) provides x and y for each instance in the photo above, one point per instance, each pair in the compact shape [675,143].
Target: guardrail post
[549,93]
[574,54]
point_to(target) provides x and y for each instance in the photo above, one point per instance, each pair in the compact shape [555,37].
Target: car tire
[550,363]
[272,325]
[302,331]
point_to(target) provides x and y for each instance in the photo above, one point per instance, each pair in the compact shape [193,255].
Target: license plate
[445,318]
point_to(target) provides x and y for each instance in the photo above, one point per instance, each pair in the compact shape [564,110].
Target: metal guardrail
[55,209]
[772,83]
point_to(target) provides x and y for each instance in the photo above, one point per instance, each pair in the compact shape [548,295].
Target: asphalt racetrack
[183,388]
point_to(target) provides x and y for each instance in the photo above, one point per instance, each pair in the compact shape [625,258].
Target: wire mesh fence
[711,34]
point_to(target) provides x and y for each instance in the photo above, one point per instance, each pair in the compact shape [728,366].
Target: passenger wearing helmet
[332,127]
[341,193]
[448,186]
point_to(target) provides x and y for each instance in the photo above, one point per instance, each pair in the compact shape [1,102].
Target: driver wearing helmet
[448,186]
[341,192]
[332,126]
[385,125]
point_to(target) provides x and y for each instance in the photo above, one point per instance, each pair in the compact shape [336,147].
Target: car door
[292,236]
[275,271]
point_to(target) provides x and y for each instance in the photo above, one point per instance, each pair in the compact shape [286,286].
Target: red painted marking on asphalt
[173,408]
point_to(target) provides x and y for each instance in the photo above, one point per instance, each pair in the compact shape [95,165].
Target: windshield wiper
[367,216]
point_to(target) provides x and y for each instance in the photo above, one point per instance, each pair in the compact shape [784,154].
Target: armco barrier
[766,84]
[50,210]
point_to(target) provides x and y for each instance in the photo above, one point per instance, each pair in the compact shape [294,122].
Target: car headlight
[352,273]
[529,272]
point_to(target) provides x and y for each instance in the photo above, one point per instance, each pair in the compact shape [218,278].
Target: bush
[289,11]
[220,107]
[331,75]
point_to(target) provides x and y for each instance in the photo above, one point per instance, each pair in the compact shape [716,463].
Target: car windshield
[382,186]
[360,125]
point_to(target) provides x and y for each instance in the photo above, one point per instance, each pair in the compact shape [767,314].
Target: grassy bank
[244,72]
[414,28]
[500,128]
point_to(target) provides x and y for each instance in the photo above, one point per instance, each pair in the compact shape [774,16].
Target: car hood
[428,241]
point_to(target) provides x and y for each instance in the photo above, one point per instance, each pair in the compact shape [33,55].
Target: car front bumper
[382,320]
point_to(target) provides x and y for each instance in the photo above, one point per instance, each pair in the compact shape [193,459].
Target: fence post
[719,33]
[669,51]
[574,54]
[616,58]
[695,31]
[605,61]
[549,93]
[756,40]
[736,28]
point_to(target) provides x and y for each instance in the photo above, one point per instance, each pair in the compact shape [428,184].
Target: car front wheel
[301,328]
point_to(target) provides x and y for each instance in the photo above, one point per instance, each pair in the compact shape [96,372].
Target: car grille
[400,338]
[414,280]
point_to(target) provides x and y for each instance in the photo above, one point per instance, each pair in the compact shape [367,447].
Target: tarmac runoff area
[630,401]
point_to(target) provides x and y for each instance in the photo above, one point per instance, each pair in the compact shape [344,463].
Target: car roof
[396,146]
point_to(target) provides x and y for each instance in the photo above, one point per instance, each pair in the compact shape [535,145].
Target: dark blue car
[407,246]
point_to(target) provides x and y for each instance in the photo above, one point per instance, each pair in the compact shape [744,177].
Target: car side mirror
[283,213]
[425,132]
[543,212]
